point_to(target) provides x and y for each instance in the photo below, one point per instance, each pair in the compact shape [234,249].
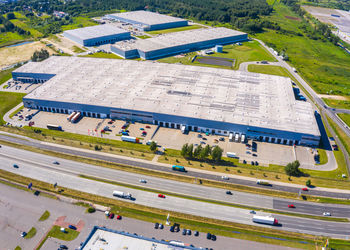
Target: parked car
[252,212]
[63,247]
[188,232]
[23,234]
[111,215]
[172,229]
[15,166]
[221,139]
[148,126]
[161,195]
[199,136]
[156,225]
[72,227]
[196,233]
[161,226]
[208,236]
[213,237]
[184,231]
[119,217]
[228,192]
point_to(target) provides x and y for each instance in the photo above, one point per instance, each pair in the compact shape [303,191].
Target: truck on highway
[262,182]
[130,139]
[178,168]
[121,194]
[231,155]
[265,220]
[54,127]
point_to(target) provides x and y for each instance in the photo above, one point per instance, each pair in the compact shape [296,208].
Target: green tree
[10,16]
[184,150]
[190,151]
[41,55]
[308,183]
[205,152]
[292,169]
[197,151]
[153,146]
[216,154]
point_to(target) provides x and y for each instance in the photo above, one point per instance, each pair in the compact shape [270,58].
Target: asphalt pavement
[69,180]
[154,166]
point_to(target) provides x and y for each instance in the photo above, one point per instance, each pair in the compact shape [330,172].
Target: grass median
[219,227]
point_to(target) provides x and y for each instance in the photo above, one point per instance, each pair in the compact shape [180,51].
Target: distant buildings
[59,14]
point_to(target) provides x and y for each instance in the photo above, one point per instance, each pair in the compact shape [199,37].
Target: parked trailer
[130,139]
[54,127]
[75,117]
[121,194]
[231,155]
[230,137]
[69,118]
[243,139]
[265,220]
[183,129]
[236,137]
[179,168]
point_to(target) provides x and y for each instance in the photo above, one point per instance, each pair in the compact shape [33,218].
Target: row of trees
[8,26]
[201,153]
[40,55]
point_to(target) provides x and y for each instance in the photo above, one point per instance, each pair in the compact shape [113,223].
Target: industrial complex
[189,98]
[105,238]
[147,21]
[97,35]
[176,43]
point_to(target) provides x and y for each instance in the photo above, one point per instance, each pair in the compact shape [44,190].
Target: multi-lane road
[67,175]
[155,166]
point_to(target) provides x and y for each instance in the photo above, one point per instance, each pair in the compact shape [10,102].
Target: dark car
[172,229]
[161,226]
[228,192]
[213,237]
[156,225]
[72,227]
[256,163]
[208,236]
[63,247]
[253,163]
[111,215]
[196,233]
[189,232]
[184,231]
[15,166]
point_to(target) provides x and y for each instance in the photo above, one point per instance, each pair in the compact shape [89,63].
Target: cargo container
[231,155]
[75,117]
[69,118]
[183,129]
[230,137]
[121,194]
[130,139]
[54,127]
[265,220]
[243,138]
[262,182]
[236,137]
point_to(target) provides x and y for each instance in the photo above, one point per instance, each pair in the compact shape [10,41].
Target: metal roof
[96,31]
[147,17]
[201,92]
[177,39]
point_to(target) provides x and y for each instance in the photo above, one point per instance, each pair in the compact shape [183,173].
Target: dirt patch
[334,97]
[12,55]
[293,18]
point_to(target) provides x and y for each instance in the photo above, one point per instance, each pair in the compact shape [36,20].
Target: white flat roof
[147,17]
[200,92]
[178,39]
[96,31]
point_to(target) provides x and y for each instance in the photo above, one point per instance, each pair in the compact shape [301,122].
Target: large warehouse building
[147,21]
[204,99]
[97,35]
[177,43]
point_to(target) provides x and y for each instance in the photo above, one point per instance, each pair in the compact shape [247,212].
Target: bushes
[91,210]
[292,169]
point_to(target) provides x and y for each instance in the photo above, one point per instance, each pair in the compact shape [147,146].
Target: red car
[291,206]
[305,189]
[111,215]
[161,195]
[119,217]
[148,126]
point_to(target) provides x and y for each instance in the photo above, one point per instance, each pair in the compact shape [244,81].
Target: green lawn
[268,69]
[325,66]
[189,27]
[345,118]
[76,49]
[15,112]
[9,38]
[8,100]
[44,216]
[55,232]
[143,37]
[340,104]
[79,22]
[248,51]
[103,55]
[31,233]
[23,25]
[5,75]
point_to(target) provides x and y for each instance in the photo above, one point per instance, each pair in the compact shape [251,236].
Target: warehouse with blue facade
[199,99]
[97,35]
[178,42]
[147,21]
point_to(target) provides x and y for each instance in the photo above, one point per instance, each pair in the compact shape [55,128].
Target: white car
[224,177]
[326,214]
[142,181]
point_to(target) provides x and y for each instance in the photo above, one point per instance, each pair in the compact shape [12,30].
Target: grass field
[55,232]
[76,49]
[31,233]
[103,55]
[79,22]
[23,25]
[143,37]
[268,69]
[6,75]
[8,100]
[189,27]
[341,135]
[325,66]
[44,216]
[248,51]
[9,38]
[345,118]
[337,103]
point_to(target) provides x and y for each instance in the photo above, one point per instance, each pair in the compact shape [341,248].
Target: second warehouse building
[198,99]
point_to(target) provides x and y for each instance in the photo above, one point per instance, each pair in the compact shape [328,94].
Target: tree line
[8,26]
[201,153]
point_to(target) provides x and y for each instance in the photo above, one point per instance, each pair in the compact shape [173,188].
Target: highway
[208,210]
[155,166]
[41,167]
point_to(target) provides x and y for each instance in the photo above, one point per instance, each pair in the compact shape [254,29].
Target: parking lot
[18,87]
[265,153]
[20,210]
